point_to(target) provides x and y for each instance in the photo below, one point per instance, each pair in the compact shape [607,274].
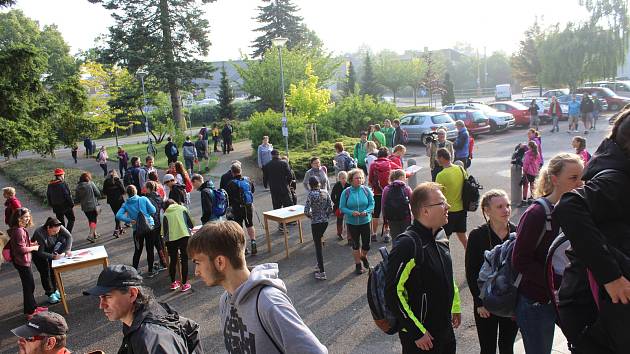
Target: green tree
[563,56]
[306,98]
[391,72]
[526,62]
[369,84]
[498,69]
[449,92]
[261,78]
[279,19]
[416,69]
[164,36]
[69,114]
[226,97]
[431,81]
[350,86]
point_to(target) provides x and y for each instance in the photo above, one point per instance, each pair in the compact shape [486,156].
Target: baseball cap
[115,277]
[50,222]
[59,171]
[275,152]
[44,323]
[167,178]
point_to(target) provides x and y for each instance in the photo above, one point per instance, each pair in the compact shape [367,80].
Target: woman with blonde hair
[535,315]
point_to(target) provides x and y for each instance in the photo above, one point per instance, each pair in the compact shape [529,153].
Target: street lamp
[281,42]
[141,73]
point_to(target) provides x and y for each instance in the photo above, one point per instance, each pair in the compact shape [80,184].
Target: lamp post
[141,73]
[281,42]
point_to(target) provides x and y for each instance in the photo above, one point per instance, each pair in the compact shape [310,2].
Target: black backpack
[518,154]
[470,192]
[184,327]
[397,203]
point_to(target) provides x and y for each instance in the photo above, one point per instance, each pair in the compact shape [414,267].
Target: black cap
[50,222]
[275,152]
[118,276]
[44,323]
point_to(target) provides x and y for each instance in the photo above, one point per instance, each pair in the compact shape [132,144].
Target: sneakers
[316,268]
[373,237]
[365,262]
[320,275]
[186,287]
[152,274]
[175,285]
[116,234]
[53,299]
[91,239]
[254,248]
[586,132]
[158,267]
[35,312]
[358,270]
[57,294]
[387,238]
[339,237]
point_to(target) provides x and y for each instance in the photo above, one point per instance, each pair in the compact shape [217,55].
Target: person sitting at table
[55,241]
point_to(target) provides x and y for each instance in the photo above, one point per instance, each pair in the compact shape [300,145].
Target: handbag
[143,228]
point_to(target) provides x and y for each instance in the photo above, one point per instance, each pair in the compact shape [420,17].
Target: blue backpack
[245,190]
[220,202]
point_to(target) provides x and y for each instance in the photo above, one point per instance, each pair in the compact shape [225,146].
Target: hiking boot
[175,285]
[186,287]
[365,262]
[320,275]
[358,269]
[373,237]
[254,248]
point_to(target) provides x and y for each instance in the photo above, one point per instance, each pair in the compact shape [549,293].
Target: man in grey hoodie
[257,315]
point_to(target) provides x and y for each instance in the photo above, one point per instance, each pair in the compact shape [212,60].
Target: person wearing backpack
[378,179]
[388,131]
[101,158]
[434,146]
[151,192]
[531,167]
[357,204]
[496,210]
[190,155]
[240,192]
[132,176]
[170,150]
[123,160]
[535,314]
[11,204]
[135,211]
[395,203]
[278,176]
[397,156]
[114,190]
[148,326]
[462,144]
[176,229]
[176,190]
[208,199]
[451,178]
[420,288]
[342,160]
[595,219]
[143,174]
[255,311]
[400,136]
[318,207]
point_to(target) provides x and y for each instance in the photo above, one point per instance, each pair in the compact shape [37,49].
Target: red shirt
[11,205]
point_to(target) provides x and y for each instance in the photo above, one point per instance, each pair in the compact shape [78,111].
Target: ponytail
[544,185]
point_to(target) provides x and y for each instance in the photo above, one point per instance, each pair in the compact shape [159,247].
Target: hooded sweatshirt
[11,205]
[88,195]
[58,194]
[260,305]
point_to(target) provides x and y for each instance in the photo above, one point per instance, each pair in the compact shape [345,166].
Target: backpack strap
[412,235]
[546,204]
[261,323]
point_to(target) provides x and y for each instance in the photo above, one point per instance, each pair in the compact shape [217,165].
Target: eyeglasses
[442,204]
[34,338]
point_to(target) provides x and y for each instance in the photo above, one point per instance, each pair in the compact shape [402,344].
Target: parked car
[476,121]
[519,111]
[555,92]
[206,102]
[614,101]
[543,111]
[532,91]
[418,125]
[499,121]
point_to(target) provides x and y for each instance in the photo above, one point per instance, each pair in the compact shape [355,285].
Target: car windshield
[441,119]
[484,108]
[479,117]
[518,106]
[606,92]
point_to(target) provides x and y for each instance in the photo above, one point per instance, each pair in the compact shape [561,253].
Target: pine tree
[448,96]
[280,20]
[226,97]
[351,80]
[369,85]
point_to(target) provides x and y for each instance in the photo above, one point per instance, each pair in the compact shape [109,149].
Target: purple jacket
[19,242]
[531,163]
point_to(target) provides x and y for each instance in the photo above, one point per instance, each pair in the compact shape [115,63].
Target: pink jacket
[19,242]
[531,164]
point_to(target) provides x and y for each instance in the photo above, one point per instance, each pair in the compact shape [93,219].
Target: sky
[343,25]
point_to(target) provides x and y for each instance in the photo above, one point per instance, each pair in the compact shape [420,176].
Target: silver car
[499,121]
[419,125]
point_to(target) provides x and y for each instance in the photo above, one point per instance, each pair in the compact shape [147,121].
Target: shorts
[91,215]
[586,117]
[360,236]
[573,119]
[456,222]
[244,214]
[377,206]
[529,178]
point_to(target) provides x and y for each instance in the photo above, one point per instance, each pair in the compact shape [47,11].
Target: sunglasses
[34,338]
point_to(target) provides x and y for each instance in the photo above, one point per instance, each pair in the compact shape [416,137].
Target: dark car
[614,101]
[475,120]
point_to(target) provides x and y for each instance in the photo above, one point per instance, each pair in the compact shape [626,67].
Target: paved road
[336,310]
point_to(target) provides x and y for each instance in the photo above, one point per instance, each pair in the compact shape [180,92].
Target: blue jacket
[461,144]
[359,199]
[264,154]
[574,108]
[129,210]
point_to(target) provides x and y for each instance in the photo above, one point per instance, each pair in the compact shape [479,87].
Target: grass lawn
[140,150]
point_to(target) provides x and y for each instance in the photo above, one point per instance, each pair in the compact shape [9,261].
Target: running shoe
[373,237]
[254,248]
[186,287]
[175,285]
[53,299]
[320,275]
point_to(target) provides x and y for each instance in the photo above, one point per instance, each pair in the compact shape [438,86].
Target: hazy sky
[343,25]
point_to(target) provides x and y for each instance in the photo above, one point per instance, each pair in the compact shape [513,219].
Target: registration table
[80,259]
[284,216]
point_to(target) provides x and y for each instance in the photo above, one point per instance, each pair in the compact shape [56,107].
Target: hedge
[415,109]
[34,175]
[210,113]
[300,159]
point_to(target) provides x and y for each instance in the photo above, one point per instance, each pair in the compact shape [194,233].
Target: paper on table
[286,212]
[80,256]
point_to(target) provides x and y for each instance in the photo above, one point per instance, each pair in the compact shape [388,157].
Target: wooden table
[284,216]
[80,259]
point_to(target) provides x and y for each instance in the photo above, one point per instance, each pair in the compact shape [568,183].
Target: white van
[503,92]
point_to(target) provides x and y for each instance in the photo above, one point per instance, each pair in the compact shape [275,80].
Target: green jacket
[378,138]
[389,136]
[176,223]
[360,153]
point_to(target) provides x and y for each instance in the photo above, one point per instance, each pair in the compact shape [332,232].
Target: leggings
[360,236]
[115,207]
[339,225]
[28,288]
[175,247]
[318,232]
[487,329]
[104,167]
[137,252]
[44,267]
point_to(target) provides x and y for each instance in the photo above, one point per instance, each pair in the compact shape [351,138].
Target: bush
[34,175]
[300,159]
[415,109]
[210,113]
[353,114]
[270,123]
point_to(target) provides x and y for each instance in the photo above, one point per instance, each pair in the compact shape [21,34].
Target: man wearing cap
[60,199]
[278,175]
[45,333]
[147,325]
[177,191]
[54,242]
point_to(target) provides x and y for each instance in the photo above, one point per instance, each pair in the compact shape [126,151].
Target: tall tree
[279,19]
[391,72]
[226,97]
[448,96]
[563,56]
[369,85]
[526,62]
[431,81]
[163,36]
[416,69]
[350,86]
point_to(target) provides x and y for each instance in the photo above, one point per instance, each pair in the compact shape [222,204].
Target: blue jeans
[554,120]
[537,323]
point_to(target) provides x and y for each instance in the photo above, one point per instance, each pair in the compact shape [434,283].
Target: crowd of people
[580,194]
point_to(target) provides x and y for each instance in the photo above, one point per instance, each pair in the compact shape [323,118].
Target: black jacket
[277,175]
[62,240]
[226,133]
[153,332]
[335,195]
[178,193]
[429,292]
[206,202]
[58,195]
[225,179]
[114,190]
[398,136]
[587,105]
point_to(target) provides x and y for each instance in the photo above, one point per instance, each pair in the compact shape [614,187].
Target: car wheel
[493,127]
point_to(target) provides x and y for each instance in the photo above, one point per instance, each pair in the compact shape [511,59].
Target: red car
[519,111]
[476,121]
[614,101]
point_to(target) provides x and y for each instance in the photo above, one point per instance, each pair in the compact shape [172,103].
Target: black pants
[216,142]
[158,243]
[434,172]
[139,242]
[44,267]
[174,248]
[28,288]
[226,146]
[487,329]
[122,167]
[318,232]
[440,346]
[360,236]
[280,199]
[172,159]
[68,213]
[104,167]
[115,207]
